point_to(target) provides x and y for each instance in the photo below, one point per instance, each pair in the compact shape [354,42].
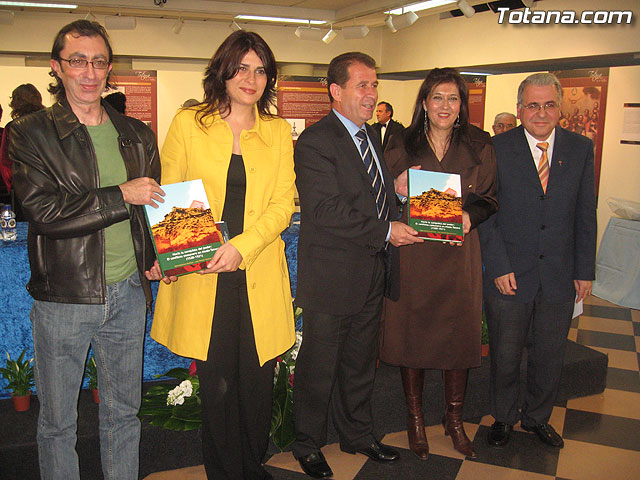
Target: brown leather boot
[455,383]
[413,382]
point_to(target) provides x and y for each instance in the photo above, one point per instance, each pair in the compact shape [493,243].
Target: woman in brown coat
[436,322]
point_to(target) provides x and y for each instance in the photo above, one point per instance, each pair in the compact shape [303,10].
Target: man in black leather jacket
[82,172]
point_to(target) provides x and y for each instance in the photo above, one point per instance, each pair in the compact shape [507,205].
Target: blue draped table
[15,305]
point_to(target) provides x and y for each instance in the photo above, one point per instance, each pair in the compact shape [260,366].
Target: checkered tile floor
[601,432]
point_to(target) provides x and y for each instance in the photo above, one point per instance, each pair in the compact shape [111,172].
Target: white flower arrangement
[178,394]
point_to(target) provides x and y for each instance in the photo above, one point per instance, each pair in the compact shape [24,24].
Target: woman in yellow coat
[236,316]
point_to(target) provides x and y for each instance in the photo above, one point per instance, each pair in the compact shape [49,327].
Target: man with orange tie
[539,257]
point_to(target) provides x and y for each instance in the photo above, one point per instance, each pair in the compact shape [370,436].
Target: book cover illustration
[435,205]
[185,234]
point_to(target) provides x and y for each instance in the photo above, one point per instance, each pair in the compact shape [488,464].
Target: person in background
[436,322]
[504,122]
[82,172]
[190,102]
[5,197]
[235,316]
[539,258]
[348,213]
[117,100]
[25,99]
[386,126]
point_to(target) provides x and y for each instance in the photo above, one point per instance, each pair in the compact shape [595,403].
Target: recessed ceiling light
[36,5]
[280,19]
[417,7]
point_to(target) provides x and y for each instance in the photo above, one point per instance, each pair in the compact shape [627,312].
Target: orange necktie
[543,166]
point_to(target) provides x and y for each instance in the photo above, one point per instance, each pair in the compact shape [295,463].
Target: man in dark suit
[539,257]
[386,126]
[347,204]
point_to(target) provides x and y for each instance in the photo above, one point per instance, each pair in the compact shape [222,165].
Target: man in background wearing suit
[386,125]
[539,257]
[347,204]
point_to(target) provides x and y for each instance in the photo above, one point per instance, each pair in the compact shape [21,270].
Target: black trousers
[335,371]
[235,391]
[542,329]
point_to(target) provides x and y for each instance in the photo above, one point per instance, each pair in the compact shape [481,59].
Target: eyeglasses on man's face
[536,107]
[83,62]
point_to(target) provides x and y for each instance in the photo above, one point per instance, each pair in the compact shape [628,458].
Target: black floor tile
[523,452]
[602,429]
[636,328]
[408,467]
[574,322]
[475,420]
[617,313]
[282,474]
[607,340]
[622,379]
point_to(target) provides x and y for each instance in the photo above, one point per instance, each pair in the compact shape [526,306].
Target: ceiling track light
[177,27]
[118,22]
[398,22]
[91,17]
[330,36]
[234,26]
[467,10]
[355,32]
[308,33]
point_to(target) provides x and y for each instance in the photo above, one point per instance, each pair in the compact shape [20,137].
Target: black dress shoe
[546,434]
[499,434]
[315,465]
[376,451]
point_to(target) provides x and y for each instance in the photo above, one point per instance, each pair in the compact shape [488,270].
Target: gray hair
[495,120]
[540,80]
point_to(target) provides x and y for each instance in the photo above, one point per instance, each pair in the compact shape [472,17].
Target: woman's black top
[233,211]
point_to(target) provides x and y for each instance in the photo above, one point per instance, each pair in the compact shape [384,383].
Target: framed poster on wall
[584,102]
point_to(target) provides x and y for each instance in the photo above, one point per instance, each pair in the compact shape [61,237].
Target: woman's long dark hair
[415,133]
[224,66]
[25,99]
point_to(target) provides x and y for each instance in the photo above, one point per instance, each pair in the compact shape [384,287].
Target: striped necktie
[379,193]
[543,165]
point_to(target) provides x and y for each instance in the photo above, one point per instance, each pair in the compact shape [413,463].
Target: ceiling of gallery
[339,13]
[321,15]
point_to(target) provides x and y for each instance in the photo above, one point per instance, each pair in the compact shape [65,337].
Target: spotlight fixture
[398,22]
[91,17]
[117,22]
[389,22]
[177,27]
[6,17]
[308,33]
[465,8]
[330,36]
[234,26]
[351,33]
